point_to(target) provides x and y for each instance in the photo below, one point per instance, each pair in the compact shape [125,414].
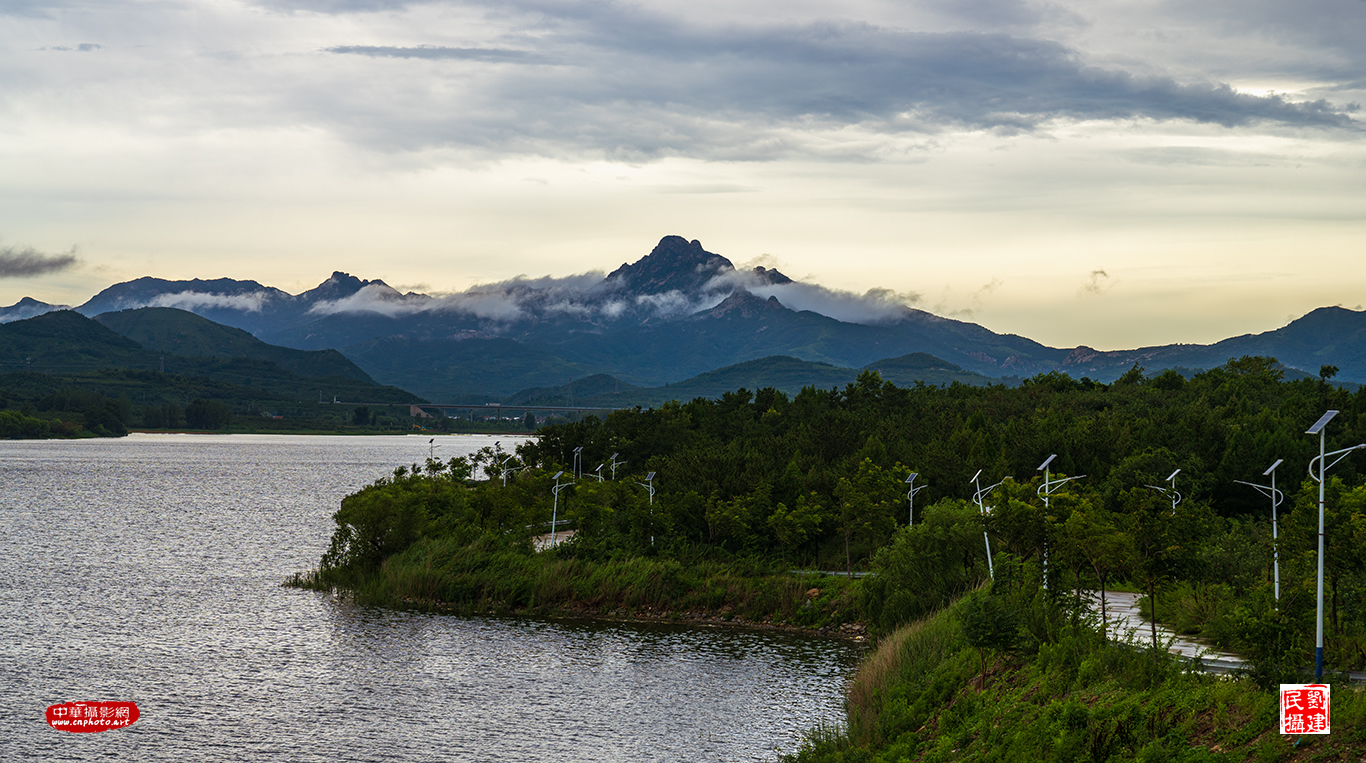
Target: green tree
[207,414]
[990,624]
[1089,537]
[794,527]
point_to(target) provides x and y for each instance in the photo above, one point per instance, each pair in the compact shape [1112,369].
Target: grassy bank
[488,576]
[921,695]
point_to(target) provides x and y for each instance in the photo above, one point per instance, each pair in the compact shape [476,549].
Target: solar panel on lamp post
[1324,465]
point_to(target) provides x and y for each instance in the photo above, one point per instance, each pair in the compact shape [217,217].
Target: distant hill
[27,308]
[463,370]
[67,348]
[784,373]
[66,342]
[598,389]
[907,370]
[1326,336]
[166,329]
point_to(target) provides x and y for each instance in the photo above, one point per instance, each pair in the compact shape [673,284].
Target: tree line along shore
[707,509]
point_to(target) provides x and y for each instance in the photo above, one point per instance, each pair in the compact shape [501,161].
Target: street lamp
[615,464]
[649,485]
[577,468]
[502,466]
[1324,464]
[910,497]
[1277,497]
[1169,490]
[978,496]
[554,512]
[1046,490]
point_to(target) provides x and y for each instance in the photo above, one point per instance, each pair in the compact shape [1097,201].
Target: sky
[1109,173]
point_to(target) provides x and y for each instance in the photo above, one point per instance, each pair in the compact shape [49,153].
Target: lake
[148,569]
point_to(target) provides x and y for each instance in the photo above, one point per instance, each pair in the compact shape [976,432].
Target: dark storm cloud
[636,84]
[23,262]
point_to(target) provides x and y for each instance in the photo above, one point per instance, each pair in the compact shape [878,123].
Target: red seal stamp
[91,716]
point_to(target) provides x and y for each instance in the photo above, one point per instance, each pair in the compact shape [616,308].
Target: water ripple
[148,568]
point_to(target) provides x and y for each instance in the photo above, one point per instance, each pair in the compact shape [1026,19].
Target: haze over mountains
[678,312]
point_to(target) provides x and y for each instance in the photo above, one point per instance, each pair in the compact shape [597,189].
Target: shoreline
[856,632]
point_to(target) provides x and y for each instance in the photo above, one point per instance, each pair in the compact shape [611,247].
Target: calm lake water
[147,569]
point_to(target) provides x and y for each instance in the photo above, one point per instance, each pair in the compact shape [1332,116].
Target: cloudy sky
[1112,173]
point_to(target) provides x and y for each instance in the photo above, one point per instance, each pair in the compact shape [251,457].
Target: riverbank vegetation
[708,507]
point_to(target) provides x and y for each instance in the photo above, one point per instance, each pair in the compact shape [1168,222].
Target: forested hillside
[714,508]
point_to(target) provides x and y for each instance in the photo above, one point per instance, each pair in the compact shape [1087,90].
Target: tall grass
[905,657]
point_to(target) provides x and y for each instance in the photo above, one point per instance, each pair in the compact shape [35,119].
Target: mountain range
[676,313]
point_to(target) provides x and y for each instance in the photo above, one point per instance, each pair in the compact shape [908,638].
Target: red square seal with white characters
[1304,709]
[91,716]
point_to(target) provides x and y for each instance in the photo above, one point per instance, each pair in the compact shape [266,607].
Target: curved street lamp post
[1277,498]
[1169,490]
[649,485]
[1046,490]
[554,512]
[1324,464]
[910,497]
[978,496]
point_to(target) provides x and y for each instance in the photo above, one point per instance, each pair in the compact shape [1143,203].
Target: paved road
[1122,611]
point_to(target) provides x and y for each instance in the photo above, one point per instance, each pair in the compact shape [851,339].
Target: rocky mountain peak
[339,285]
[746,305]
[770,276]
[674,263]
